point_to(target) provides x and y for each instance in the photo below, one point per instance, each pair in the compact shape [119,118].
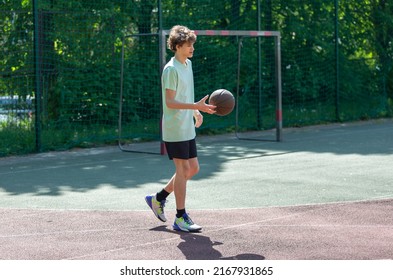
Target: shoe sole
[177,228]
[151,207]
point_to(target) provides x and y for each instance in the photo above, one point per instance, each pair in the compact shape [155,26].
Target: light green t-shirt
[178,125]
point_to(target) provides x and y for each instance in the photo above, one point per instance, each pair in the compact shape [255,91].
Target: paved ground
[325,192]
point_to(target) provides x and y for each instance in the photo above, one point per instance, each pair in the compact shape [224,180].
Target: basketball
[224,101]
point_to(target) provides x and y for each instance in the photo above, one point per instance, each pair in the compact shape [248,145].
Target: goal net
[247,63]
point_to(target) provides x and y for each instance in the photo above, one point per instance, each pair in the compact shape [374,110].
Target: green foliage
[16,138]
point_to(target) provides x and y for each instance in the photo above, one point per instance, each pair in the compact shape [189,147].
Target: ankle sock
[163,194]
[180,212]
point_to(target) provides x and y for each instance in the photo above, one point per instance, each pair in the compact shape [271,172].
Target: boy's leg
[193,170]
[180,182]
[169,186]
[156,202]
[194,167]
[185,170]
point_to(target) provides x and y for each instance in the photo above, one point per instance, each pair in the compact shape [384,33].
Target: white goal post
[240,34]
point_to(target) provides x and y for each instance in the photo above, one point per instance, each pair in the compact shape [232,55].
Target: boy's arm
[201,105]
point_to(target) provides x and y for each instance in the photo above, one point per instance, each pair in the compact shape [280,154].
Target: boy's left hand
[198,118]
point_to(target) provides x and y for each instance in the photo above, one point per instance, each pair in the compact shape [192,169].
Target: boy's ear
[178,46]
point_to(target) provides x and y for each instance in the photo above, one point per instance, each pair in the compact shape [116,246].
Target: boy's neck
[180,58]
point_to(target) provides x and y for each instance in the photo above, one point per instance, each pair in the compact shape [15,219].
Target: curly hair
[179,35]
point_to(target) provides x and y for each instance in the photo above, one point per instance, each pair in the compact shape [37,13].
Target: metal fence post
[337,38]
[37,76]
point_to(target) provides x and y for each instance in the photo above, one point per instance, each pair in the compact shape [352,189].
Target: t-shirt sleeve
[169,78]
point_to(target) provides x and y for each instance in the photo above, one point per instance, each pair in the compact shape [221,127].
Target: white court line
[177,237]
[372,199]
[72,232]
[222,226]
[328,226]
[218,229]
[54,233]
[326,205]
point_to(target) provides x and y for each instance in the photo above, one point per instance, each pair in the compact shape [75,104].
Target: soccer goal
[247,63]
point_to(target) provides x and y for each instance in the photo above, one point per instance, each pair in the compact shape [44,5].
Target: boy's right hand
[204,107]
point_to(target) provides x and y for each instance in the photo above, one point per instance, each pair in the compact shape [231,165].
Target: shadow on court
[196,246]
[323,193]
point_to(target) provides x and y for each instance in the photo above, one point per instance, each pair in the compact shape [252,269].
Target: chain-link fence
[60,65]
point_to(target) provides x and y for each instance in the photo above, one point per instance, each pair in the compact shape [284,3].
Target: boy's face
[186,50]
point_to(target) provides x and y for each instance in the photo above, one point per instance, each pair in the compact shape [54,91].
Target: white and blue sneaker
[184,223]
[156,206]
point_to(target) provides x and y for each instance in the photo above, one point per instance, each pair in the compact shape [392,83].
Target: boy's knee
[187,170]
[195,170]
[192,171]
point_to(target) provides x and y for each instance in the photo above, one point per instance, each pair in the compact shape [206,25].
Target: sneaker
[156,206]
[184,223]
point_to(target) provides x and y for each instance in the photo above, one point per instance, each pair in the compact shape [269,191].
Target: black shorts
[182,149]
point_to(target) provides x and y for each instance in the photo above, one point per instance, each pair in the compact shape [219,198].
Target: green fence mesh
[336,65]
[141,103]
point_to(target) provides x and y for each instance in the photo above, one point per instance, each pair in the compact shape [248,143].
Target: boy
[178,128]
